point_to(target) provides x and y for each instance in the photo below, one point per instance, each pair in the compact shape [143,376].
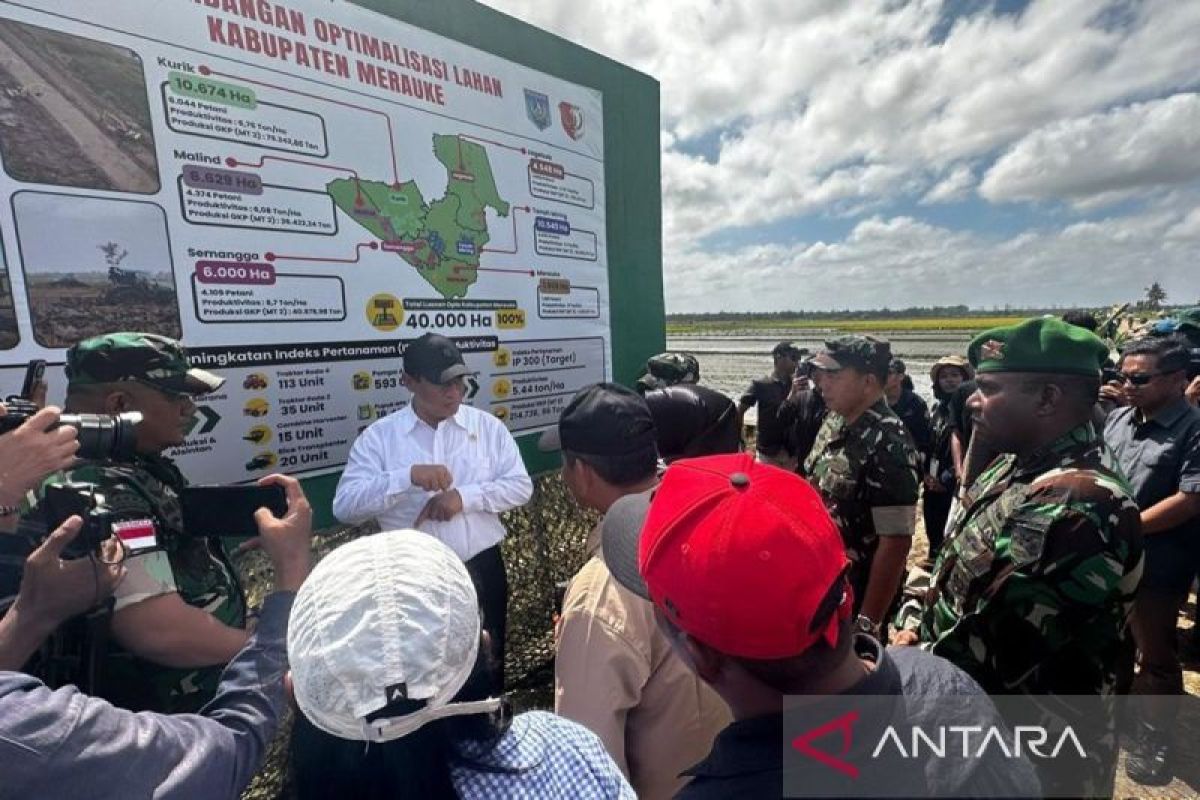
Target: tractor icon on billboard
[255,380]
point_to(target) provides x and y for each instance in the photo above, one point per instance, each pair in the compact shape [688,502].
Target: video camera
[63,500]
[102,437]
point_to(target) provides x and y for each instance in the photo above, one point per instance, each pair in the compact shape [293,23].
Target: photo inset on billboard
[74,112]
[8,310]
[94,265]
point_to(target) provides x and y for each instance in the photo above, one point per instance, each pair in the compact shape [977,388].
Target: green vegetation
[755,323]
[444,238]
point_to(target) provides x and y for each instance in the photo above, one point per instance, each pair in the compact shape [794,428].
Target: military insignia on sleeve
[992,350]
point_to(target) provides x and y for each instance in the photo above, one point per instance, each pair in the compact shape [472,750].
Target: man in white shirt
[443,468]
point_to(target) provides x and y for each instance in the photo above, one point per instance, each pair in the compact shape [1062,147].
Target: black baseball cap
[897,366]
[604,419]
[434,358]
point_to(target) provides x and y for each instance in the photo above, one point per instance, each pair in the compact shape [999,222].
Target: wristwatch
[864,624]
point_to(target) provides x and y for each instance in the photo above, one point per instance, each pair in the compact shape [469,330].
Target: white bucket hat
[386,617]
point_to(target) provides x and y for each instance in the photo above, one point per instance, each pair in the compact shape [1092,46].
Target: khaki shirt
[615,673]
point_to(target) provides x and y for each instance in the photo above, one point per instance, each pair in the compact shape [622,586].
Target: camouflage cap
[143,357]
[1188,318]
[863,353]
[1041,344]
[668,369]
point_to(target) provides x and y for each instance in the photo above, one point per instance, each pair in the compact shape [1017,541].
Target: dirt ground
[64,316]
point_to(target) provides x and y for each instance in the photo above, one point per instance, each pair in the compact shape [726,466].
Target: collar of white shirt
[409,418]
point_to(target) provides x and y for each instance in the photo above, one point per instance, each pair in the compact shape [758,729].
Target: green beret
[1042,344]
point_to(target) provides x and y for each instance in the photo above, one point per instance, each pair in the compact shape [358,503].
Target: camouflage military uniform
[1034,587]
[1036,581]
[864,470]
[148,486]
[196,567]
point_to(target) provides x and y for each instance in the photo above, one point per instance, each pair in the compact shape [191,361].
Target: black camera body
[100,523]
[64,500]
[101,437]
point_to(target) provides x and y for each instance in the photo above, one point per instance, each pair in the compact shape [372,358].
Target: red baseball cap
[744,557]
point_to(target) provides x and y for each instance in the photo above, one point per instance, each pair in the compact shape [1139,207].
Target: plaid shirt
[545,757]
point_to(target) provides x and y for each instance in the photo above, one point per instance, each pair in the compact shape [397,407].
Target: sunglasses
[1137,379]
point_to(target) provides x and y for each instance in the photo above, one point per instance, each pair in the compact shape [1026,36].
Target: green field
[849,325]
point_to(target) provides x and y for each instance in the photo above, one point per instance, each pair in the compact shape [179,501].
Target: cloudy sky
[824,154]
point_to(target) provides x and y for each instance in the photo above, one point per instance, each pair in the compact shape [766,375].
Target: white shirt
[480,453]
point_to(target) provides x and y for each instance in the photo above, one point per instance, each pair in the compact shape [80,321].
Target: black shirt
[746,761]
[913,412]
[810,413]
[693,421]
[960,416]
[775,417]
[1159,456]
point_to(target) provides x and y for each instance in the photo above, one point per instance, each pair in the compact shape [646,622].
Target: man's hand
[800,385]
[1192,392]
[431,477]
[31,452]
[287,540]
[53,589]
[1113,392]
[441,507]
[905,638]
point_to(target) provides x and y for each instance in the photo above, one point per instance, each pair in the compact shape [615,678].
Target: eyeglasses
[1138,378]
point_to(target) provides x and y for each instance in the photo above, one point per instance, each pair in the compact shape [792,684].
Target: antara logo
[843,725]
[969,741]
[1024,739]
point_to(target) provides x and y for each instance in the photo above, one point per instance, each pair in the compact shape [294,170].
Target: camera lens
[103,437]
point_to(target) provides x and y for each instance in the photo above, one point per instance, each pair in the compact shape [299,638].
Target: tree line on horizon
[1154,300]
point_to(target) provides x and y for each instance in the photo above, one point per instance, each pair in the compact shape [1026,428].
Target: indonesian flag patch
[137,534]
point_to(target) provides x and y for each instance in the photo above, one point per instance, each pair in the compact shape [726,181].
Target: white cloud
[833,108]
[1103,156]
[899,262]
[954,186]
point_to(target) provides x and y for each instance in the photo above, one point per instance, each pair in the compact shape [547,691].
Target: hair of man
[626,469]
[1172,354]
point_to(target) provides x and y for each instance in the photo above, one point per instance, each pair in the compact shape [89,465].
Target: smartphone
[228,511]
[34,372]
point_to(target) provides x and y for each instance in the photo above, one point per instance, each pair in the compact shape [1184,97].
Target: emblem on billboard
[537,108]
[571,118]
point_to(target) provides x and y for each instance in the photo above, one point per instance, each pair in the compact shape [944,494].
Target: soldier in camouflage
[1035,583]
[179,615]
[864,464]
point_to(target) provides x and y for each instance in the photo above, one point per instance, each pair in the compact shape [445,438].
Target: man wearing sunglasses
[1156,439]
[179,616]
